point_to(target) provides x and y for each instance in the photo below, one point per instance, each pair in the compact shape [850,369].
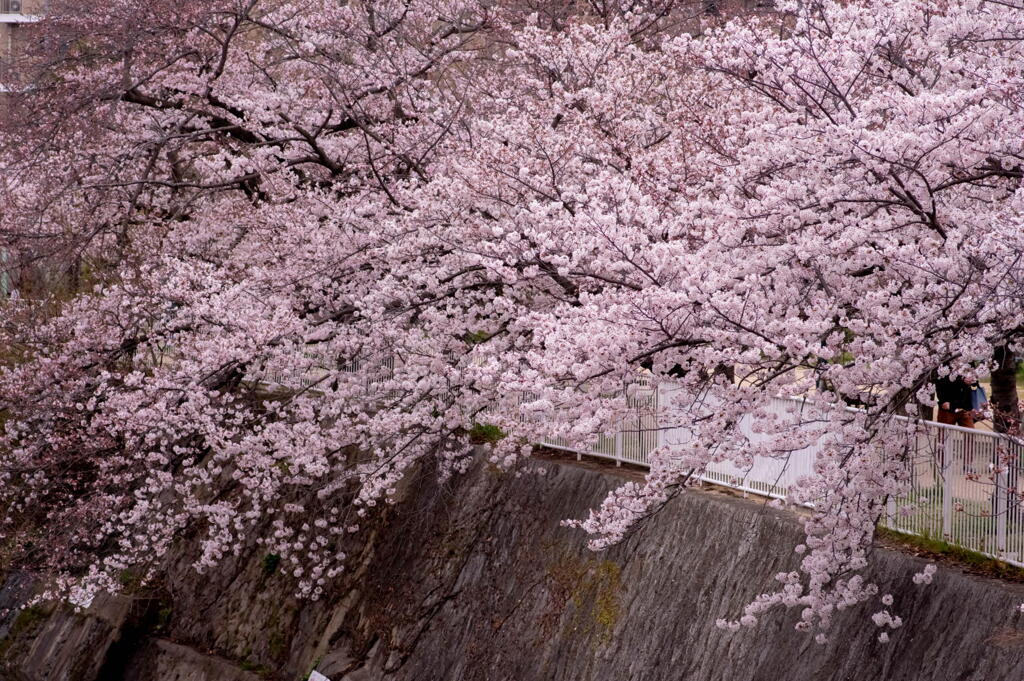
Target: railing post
[890,512]
[659,434]
[618,447]
[1001,509]
[947,435]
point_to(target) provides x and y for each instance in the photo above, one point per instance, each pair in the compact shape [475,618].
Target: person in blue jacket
[979,400]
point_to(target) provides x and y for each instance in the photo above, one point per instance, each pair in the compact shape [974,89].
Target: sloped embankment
[475,580]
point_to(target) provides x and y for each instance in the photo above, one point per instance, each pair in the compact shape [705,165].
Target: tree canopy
[315,243]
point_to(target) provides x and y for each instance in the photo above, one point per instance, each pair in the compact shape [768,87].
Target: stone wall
[476,580]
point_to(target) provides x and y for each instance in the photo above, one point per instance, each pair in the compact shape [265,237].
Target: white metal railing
[965,487]
[319,366]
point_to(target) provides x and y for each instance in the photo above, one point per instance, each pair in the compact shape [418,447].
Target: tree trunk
[1005,409]
[899,401]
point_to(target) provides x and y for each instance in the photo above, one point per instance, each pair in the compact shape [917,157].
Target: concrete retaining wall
[477,581]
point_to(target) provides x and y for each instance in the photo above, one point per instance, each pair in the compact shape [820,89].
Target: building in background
[13,14]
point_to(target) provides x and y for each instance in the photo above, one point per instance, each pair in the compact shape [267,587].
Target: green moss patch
[941,550]
[593,587]
[482,433]
[270,563]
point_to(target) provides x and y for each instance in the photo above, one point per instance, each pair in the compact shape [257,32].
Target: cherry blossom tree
[322,242]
